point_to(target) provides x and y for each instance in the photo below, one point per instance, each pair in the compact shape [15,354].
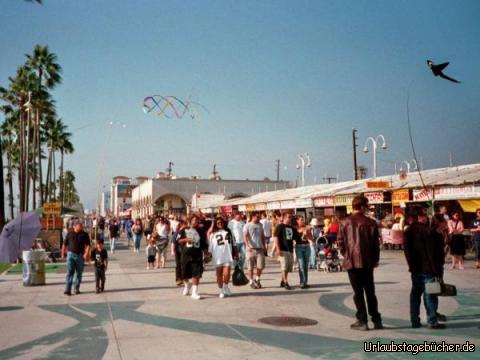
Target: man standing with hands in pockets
[77,243]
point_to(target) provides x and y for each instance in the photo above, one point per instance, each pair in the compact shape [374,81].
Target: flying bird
[437,70]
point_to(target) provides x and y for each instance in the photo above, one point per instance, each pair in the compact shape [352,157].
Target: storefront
[324,206]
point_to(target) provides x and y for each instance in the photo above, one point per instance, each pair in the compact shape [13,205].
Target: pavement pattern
[142,315]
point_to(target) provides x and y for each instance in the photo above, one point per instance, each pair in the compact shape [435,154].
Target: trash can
[33,267]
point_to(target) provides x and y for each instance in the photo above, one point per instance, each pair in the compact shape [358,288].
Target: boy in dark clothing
[100,256]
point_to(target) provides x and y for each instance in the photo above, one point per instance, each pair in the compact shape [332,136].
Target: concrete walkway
[142,315]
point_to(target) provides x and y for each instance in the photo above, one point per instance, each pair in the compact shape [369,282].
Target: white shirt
[236,227]
[162,230]
[267,227]
[220,246]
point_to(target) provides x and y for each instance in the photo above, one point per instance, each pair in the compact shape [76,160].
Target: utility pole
[355,170]
[329,179]
[278,169]
[170,168]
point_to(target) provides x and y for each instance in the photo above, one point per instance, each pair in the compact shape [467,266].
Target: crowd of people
[236,241]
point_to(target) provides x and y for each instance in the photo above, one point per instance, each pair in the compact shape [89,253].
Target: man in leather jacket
[359,243]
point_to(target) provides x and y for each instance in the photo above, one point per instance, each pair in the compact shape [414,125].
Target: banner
[303,203]
[375,197]
[422,194]
[379,184]
[400,196]
[457,192]
[324,201]
[344,200]
[274,205]
[287,204]
[261,207]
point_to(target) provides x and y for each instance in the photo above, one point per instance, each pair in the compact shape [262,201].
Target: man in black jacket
[425,262]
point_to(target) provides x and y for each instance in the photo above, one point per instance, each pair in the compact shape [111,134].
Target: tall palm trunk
[21,169]
[61,178]
[49,171]
[2,192]
[54,182]
[39,154]
[27,161]
[10,185]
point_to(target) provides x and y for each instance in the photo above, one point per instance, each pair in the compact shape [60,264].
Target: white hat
[314,222]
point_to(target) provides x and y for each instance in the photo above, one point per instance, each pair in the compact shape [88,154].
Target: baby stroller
[329,258]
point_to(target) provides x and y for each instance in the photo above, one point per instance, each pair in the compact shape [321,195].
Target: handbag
[238,277]
[448,290]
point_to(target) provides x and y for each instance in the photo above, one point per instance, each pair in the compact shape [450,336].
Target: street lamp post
[374,142]
[408,164]
[304,162]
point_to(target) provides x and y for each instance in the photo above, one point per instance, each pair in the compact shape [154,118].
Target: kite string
[412,143]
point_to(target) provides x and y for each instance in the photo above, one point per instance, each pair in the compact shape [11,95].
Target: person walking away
[99,256]
[162,229]
[100,228]
[255,245]
[457,240]
[316,233]
[221,248]
[475,230]
[236,226]
[151,251]
[267,228]
[128,228]
[194,243]
[424,253]
[114,231]
[176,250]
[284,234]
[148,225]
[302,248]
[137,230]
[77,246]
[359,242]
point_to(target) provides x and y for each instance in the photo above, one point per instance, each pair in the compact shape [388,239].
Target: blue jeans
[241,255]
[313,257]
[303,258]
[476,245]
[74,267]
[430,301]
[137,238]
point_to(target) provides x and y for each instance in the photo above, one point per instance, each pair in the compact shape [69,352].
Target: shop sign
[375,197]
[400,196]
[324,201]
[422,194]
[250,207]
[344,200]
[379,184]
[226,209]
[261,206]
[457,192]
[53,208]
[303,203]
[287,204]
[274,205]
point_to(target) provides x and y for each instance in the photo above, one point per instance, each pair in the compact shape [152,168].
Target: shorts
[255,259]
[162,252]
[286,261]
[191,267]
[151,259]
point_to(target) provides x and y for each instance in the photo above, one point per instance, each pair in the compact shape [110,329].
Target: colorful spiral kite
[171,106]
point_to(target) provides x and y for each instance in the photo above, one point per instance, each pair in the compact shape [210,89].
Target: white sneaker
[196,296]
[221,295]
[227,291]
[186,290]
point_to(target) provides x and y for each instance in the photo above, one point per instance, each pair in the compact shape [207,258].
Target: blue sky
[279,78]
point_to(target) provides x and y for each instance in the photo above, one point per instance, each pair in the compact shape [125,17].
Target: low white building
[174,194]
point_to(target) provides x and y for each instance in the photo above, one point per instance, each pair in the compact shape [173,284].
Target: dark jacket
[359,242]
[423,249]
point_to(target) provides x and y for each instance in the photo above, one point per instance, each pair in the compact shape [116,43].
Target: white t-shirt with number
[220,246]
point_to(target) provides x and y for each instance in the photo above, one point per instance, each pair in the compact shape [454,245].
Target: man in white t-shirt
[267,227]
[236,227]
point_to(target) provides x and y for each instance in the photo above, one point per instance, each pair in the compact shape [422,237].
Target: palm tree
[71,194]
[11,149]
[66,147]
[44,63]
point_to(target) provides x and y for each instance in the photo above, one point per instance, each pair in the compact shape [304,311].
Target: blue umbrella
[18,235]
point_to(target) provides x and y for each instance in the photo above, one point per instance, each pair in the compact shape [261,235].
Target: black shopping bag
[238,277]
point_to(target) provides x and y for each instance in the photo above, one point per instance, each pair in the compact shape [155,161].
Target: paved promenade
[142,315]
